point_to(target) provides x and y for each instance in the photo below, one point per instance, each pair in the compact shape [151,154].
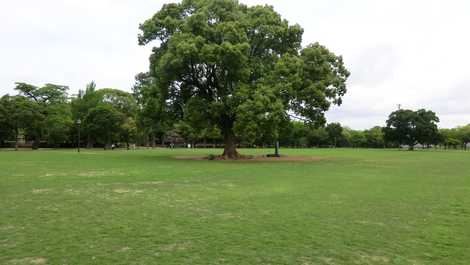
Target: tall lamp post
[79,122]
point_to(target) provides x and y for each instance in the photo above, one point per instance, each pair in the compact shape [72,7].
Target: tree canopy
[44,115]
[108,115]
[412,127]
[219,63]
[335,132]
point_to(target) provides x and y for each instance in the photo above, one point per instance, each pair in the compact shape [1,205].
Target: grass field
[146,207]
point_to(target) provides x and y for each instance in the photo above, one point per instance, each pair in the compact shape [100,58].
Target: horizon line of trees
[220,74]
[47,117]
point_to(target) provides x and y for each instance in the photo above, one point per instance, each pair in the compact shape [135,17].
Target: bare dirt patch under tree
[253,158]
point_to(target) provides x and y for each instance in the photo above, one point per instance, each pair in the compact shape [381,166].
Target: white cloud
[413,53]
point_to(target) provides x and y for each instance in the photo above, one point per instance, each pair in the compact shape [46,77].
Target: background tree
[463,134]
[426,127]
[120,102]
[374,137]
[318,137]
[7,121]
[16,114]
[46,103]
[354,138]
[185,131]
[128,131]
[210,135]
[81,105]
[299,134]
[238,68]
[104,123]
[58,124]
[335,133]
[412,127]
[401,128]
[450,138]
[153,120]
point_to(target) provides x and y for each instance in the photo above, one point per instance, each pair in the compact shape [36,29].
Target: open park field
[147,207]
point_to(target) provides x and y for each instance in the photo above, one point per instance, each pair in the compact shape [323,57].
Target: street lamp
[79,122]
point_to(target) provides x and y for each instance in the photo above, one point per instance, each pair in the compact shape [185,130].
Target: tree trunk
[147,141]
[36,143]
[230,147]
[276,149]
[16,140]
[152,139]
[89,143]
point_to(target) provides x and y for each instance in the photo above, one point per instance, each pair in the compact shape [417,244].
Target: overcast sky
[414,53]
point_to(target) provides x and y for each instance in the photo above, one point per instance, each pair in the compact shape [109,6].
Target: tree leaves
[245,65]
[412,127]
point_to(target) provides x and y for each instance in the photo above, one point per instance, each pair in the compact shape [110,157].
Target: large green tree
[241,69]
[354,138]
[463,134]
[17,115]
[104,122]
[128,131]
[450,138]
[49,113]
[374,137]
[335,133]
[85,101]
[152,119]
[84,107]
[8,122]
[412,127]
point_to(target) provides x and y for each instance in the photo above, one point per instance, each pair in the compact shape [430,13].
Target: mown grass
[146,207]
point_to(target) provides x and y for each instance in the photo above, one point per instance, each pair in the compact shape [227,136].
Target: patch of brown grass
[365,258]
[39,191]
[28,261]
[175,247]
[122,191]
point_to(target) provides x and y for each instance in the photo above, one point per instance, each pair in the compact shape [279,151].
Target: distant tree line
[220,74]
[48,117]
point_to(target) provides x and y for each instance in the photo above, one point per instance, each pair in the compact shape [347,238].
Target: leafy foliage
[108,115]
[241,69]
[335,131]
[412,127]
[7,121]
[46,110]
[104,123]
[455,137]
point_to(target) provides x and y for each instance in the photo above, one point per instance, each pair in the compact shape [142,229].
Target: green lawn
[146,207]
